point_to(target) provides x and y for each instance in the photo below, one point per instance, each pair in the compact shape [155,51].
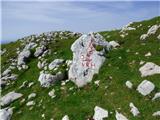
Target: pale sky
[21,18]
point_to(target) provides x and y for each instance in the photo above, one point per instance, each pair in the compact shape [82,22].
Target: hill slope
[122,64]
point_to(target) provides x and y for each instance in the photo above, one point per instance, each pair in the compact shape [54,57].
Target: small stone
[30,103]
[156,113]
[52,93]
[32,95]
[129,84]
[100,113]
[119,116]
[65,117]
[156,96]
[134,109]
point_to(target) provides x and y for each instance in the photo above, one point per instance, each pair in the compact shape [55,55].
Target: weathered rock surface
[119,116]
[145,87]
[149,69]
[86,60]
[134,110]
[10,97]
[6,113]
[47,79]
[100,113]
[55,63]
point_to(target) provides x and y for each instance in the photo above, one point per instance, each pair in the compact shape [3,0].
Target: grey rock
[134,110]
[86,60]
[119,116]
[10,97]
[39,51]
[55,63]
[156,96]
[6,113]
[145,87]
[100,113]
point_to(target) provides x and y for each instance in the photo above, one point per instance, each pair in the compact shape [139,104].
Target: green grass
[79,103]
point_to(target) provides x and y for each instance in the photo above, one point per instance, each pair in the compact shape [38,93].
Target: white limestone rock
[32,95]
[30,103]
[129,84]
[47,79]
[23,56]
[31,45]
[52,93]
[148,54]
[86,60]
[134,110]
[55,63]
[10,97]
[65,117]
[145,87]
[156,113]
[158,37]
[156,96]
[39,51]
[153,29]
[100,113]
[114,44]
[119,116]
[143,37]
[149,69]
[2,51]
[6,113]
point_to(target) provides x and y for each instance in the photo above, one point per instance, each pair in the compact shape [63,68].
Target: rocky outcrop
[149,69]
[10,97]
[86,59]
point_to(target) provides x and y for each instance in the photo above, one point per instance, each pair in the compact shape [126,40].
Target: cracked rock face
[86,59]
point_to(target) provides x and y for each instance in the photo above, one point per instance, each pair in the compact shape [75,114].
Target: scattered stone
[156,113]
[32,95]
[30,103]
[129,84]
[47,79]
[55,63]
[158,37]
[113,44]
[97,82]
[2,51]
[149,69]
[145,87]
[156,96]
[142,62]
[153,29]
[30,84]
[6,113]
[148,54]
[143,37]
[134,109]
[100,113]
[52,93]
[7,72]
[9,97]
[65,117]
[86,59]
[119,116]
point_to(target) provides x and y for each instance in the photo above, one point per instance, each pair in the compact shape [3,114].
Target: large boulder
[55,63]
[145,87]
[86,59]
[47,79]
[9,97]
[149,69]
[6,113]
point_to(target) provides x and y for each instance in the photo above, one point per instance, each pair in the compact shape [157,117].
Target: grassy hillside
[122,64]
